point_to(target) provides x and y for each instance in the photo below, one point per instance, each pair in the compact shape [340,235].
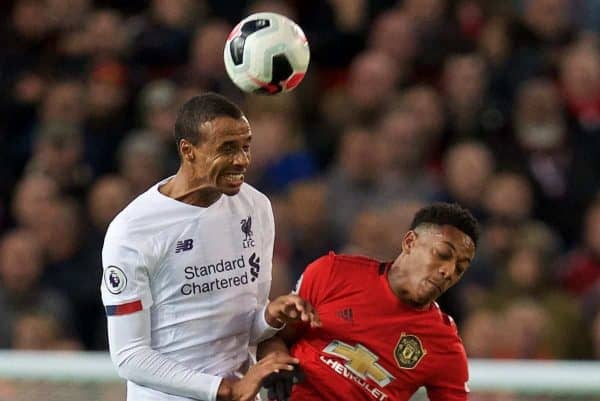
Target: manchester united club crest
[409,351]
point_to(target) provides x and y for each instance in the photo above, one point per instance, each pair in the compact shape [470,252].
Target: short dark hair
[451,214]
[200,109]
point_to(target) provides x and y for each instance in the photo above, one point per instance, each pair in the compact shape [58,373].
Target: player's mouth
[435,285]
[235,179]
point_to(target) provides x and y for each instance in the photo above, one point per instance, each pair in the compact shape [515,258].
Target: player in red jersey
[383,335]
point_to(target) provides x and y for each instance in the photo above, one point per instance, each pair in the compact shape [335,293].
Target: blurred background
[494,104]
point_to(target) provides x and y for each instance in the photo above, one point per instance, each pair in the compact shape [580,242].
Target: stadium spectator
[394,33]
[351,179]
[161,43]
[553,153]
[281,156]
[41,332]
[464,82]
[206,68]
[32,196]
[530,330]
[402,171]
[467,167]
[158,104]
[426,104]
[59,154]
[107,116]
[529,272]
[142,160]
[21,289]
[580,270]
[508,196]
[372,80]
[481,333]
[367,234]
[309,236]
[107,197]
[596,335]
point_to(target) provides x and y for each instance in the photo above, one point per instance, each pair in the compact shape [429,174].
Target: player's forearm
[150,368]
[135,360]
[274,344]
[263,326]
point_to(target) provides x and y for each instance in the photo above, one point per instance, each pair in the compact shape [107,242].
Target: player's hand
[290,309]
[248,386]
[279,385]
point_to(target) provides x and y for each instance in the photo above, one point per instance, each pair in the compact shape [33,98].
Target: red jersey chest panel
[371,346]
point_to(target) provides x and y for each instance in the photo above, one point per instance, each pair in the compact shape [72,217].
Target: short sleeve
[125,283]
[451,384]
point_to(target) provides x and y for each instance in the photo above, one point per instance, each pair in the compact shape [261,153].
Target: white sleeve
[127,298]
[260,329]
[129,341]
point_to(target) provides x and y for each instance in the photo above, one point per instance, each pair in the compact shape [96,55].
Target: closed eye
[444,255]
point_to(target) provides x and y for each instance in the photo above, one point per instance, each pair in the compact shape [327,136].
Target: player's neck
[398,280]
[182,188]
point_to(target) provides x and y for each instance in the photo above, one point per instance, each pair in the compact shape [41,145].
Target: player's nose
[241,159]
[446,269]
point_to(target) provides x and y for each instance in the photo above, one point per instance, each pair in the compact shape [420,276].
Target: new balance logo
[345,314]
[184,245]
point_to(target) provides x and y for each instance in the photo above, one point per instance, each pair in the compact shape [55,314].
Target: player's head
[213,139]
[436,251]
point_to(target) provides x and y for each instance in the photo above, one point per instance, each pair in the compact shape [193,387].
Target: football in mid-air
[266,53]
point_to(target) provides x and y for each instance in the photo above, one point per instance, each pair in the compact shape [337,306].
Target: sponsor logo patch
[184,245]
[360,361]
[115,279]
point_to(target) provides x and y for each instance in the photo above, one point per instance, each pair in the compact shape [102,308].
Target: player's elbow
[126,372]
[121,366]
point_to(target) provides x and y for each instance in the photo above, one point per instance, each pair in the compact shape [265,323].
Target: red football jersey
[372,346]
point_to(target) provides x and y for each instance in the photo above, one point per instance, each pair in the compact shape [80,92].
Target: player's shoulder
[247,191]
[357,262]
[147,211]
[347,265]
[443,321]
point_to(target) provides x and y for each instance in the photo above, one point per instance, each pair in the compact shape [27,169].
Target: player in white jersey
[187,270]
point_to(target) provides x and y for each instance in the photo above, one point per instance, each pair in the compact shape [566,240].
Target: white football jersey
[202,272]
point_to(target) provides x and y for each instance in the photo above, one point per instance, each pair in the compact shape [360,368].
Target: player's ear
[408,242]
[186,149]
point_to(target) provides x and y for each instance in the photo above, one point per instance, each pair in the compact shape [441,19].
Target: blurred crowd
[494,104]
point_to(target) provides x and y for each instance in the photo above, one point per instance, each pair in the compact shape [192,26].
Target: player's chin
[230,190]
[426,296]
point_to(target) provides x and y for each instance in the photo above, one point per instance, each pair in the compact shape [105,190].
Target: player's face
[223,156]
[437,257]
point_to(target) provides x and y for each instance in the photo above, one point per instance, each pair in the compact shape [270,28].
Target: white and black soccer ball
[266,53]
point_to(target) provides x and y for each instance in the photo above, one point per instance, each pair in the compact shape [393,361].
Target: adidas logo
[345,314]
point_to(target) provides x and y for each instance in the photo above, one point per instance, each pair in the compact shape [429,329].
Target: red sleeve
[450,383]
[313,283]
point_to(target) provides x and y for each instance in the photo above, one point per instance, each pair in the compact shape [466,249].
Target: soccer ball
[266,53]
